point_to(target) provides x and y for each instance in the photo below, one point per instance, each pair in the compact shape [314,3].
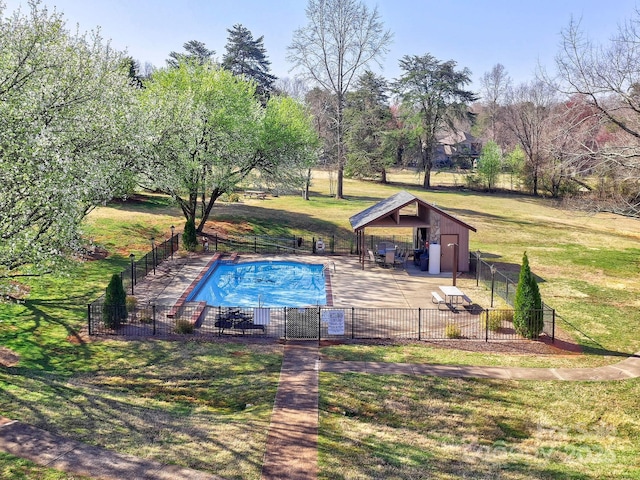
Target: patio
[377,302]
[373,287]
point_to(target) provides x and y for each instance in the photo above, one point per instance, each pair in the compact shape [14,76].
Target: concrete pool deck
[374,287]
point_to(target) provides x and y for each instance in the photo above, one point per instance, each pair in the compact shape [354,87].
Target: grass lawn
[403,427]
[208,405]
[195,404]
[15,468]
[425,353]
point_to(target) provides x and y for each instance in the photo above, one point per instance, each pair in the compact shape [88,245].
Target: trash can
[424,262]
[434,265]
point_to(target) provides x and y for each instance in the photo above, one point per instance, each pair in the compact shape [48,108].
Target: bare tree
[293,87]
[607,77]
[340,40]
[528,115]
[495,85]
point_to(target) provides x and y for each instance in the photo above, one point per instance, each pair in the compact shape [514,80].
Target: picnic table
[255,193]
[453,296]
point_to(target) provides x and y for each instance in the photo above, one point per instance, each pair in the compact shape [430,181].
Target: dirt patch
[17,291]
[224,229]
[92,252]
[518,347]
[8,357]
[80,337]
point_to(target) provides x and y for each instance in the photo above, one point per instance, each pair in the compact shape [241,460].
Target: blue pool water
[264,283]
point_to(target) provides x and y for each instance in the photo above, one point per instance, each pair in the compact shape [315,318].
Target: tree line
[81,123]
[571,133]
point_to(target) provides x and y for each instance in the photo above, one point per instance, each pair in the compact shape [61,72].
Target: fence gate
[302,323]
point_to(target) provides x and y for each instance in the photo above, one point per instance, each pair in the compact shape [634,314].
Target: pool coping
[183,298]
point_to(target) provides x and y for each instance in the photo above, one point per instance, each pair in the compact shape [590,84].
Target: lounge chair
[400,259]
[373,257]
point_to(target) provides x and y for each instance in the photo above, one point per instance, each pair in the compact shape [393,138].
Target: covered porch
[446,236]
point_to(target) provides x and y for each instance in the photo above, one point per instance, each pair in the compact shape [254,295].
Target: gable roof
[389,210]
[458,137]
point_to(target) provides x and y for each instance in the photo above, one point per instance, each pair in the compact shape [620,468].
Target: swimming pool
[262,284]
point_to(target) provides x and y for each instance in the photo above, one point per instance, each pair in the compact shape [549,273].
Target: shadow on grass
[262,219]
[45,337]
[150,203]
[177,402]
[457,429]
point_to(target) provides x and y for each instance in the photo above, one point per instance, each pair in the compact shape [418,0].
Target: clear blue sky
[475,33]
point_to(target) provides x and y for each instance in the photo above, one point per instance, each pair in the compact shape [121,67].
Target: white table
[452,295]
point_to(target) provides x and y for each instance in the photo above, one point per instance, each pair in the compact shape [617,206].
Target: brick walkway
[292,444]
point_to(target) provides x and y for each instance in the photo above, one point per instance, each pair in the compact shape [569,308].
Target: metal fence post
[353,323]
[486,325]
[553,325]
[493,276]
[285,323]
[419,324]
[89,318]
[319,325]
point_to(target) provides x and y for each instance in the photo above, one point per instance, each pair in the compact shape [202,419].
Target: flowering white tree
[210,133]
[67,134]
[205,127]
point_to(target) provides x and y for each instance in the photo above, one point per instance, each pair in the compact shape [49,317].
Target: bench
[237,320]
[247,325]
[255,193]
[467,299]
[437,299]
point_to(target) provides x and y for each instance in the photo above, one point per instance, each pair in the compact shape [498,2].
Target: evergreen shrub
[527,319]
[114,310]
[189,238]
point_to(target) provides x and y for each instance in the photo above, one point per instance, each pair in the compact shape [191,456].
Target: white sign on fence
[335,321]
[261,316]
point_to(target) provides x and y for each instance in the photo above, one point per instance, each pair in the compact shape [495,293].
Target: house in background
[458,149]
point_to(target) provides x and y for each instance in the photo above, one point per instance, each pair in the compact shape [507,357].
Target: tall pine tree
[247,57]
[367,118]
[196,52]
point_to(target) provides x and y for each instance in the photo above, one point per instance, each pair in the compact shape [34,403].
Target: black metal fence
[503,286]
[321,323]
[311,322]
[307,244]
[138,269]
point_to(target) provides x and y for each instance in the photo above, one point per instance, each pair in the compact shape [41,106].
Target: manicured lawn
[201,405]
[403,427]
[208,405]
[195,404]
